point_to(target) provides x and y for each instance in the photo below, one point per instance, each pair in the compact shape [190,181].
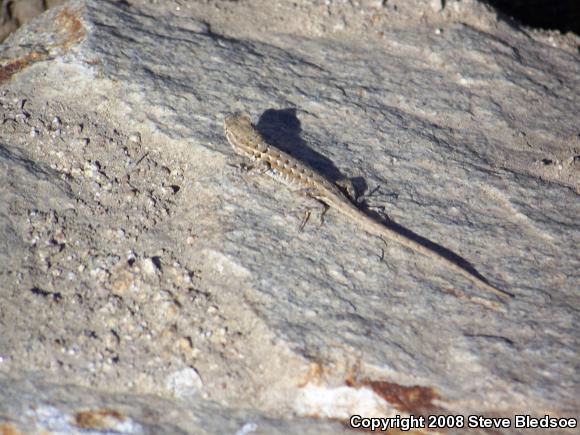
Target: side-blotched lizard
[248,142]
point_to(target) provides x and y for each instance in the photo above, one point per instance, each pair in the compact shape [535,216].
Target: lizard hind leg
[317,204]
[323,211]
[305,220]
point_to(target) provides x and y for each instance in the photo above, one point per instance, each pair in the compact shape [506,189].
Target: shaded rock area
[148,284]
[563,15]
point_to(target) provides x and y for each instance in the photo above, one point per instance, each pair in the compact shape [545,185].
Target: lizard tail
[379,229]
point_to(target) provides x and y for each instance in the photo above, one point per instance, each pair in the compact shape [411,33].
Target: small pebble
[90,169]
[56,122]
[80,142]
[184,383]
[135,137]
[22,116]
[437,5]
[148,266]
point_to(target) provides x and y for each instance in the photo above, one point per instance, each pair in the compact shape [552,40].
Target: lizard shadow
[282,128]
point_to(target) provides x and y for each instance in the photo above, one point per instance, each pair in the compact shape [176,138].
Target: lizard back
[248,142]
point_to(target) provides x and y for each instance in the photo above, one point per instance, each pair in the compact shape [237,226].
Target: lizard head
[241,134]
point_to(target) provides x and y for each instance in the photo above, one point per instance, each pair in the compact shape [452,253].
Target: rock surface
[147,285]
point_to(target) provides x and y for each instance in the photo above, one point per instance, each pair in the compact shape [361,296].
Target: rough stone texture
[148,282]
[34,406]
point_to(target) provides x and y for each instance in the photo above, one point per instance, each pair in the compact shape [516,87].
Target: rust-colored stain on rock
[98,419]
[68,22]
[71,31]
[8,429]
[413,400]
[12,67]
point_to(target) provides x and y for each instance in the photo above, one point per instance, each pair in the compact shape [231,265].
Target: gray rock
[128,263]
[37,407]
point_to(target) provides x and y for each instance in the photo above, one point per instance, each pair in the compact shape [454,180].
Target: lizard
[247,141]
